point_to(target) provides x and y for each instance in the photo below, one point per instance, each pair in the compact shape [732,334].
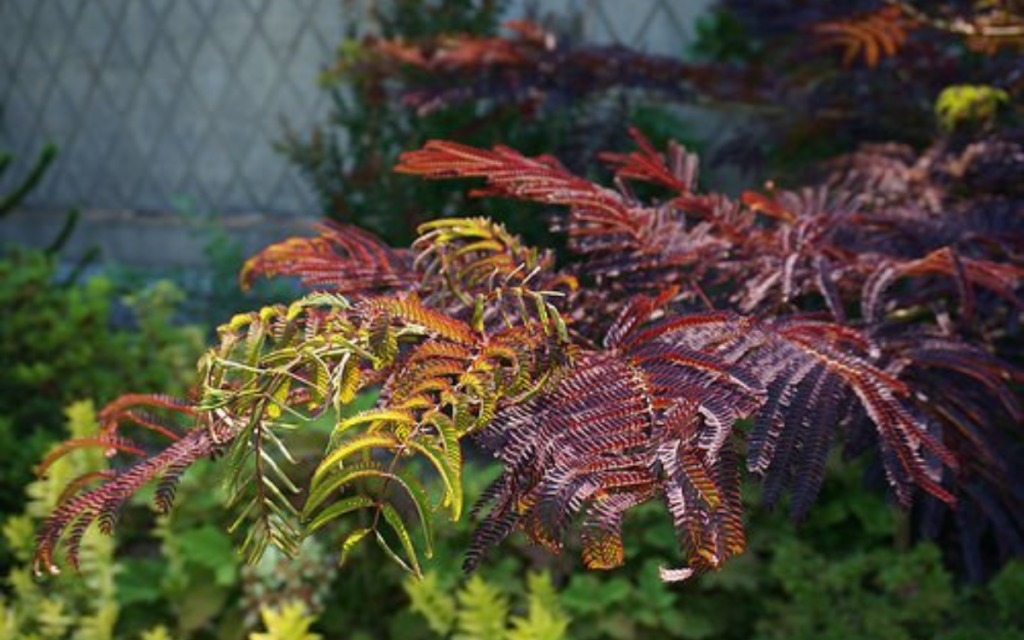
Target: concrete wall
[160,106]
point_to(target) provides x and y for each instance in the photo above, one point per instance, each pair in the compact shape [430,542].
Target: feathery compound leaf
[677,172]
[409,310]
[79,507]
[614,433]
[644,248]
[479,335]
[872,37]
[966,273]
[782,353]
[342,258]
[513,175]
[338,509]
[465,258]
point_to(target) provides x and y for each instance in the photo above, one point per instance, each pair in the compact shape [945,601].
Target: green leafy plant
[278,579]
[85,607]
[181,582]
[346,159]
[56,327]
[290,622]
[24,187]
[481,610]
[58,344]
[156,633]
[961,104]
[10,201]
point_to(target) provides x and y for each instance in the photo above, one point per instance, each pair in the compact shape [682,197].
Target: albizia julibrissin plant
[690,334]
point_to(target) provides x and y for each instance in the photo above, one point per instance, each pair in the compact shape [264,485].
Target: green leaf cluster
[182,581]
[480,609]
[845,573]
[84,607]
[290,622]
[964,104]
[845,562]
[59,344]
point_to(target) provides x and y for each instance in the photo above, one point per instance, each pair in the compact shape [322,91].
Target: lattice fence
[155,103]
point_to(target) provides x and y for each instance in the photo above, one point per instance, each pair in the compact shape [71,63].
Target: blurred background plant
[787,83]
[210,290]
[390,94]
[59,342]
[832,76]
[66,337]
[847,572]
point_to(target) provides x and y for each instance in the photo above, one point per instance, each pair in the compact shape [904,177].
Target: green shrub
[963,104]
[290,622]
[181,582]
[842,574]
[83,606]
[58,344]
[482,610]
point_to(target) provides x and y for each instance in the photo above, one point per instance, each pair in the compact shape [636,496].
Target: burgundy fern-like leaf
[617,236]
[599,219]
[678,172]
[159,413]
[966,274]
[624,427]
[781,353]
[873,37]
[80,506]
[510,174]
[343,258]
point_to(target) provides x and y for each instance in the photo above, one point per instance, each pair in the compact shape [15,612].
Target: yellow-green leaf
[350,541]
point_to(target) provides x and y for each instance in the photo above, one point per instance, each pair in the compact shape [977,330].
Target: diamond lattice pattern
[163,104]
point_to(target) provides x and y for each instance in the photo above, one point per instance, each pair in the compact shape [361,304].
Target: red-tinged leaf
[342,258]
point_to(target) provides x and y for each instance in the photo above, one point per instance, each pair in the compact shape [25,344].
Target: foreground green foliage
[183,580]
[481,610]
[291,622]
[959,105]
[842,574]
[84,607]
[22,188]
[58,344]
